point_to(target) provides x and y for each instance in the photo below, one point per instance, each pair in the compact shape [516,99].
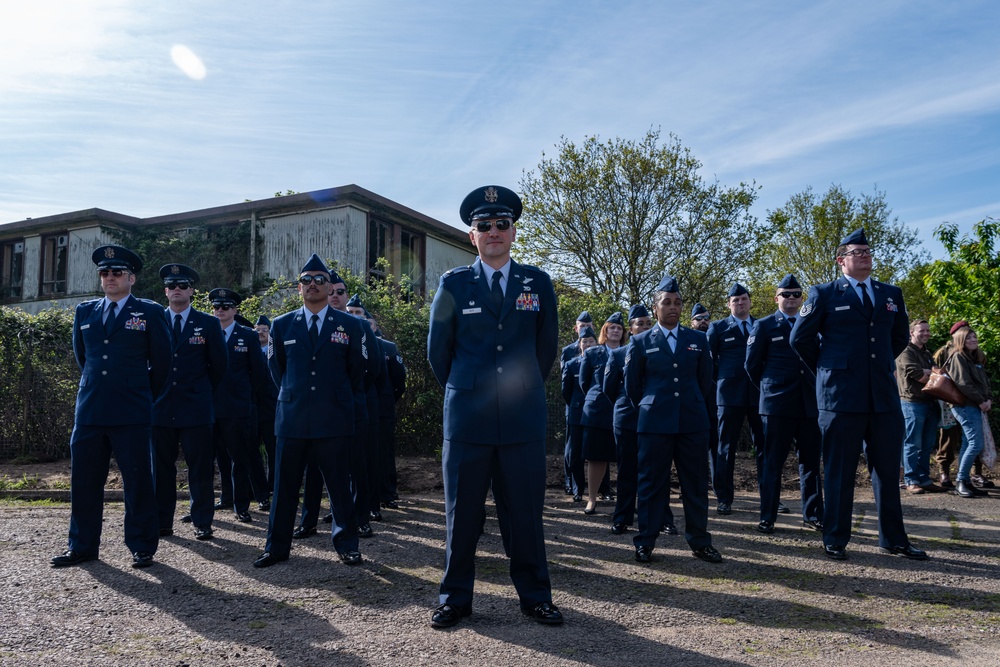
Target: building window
[12,265]
[402,248]
[54,249]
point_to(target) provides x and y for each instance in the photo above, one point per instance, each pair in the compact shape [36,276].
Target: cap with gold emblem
[221,296]
[116,257]
[490,201]
[172,273]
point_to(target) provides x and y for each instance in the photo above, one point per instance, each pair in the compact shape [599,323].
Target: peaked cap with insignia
[221,296]
[490,201]
[116,257]
[170,273]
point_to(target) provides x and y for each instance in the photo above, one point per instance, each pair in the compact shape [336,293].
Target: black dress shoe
[328,518]
[545,613]
[244,517]
[724,508]
[186,518]
[619,528]
[782,509]
[351,557]
[365,530]
[223,506]
[376,515]
[835,553]
[446,616]
[267,559]
[967,490]
[578,498]
[644,554]
[142,559]
[203,533]
[669,529]
[166,532]
[708,554]
[815,524]
[70,557]
[908,551]
[264,506]
[765,527]
[302,532]
[391,505]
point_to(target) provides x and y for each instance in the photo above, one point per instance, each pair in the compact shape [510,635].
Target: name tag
[471,311]
[290,342]
[778,338]
[726,340]
[652,349]
[84,326]
[842,308]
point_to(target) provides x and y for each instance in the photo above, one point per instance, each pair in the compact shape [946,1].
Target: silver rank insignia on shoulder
[806,309]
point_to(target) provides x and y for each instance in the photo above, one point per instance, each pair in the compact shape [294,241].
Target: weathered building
[46,261]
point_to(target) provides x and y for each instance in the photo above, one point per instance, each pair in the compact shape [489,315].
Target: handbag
[989,453]
[939,385]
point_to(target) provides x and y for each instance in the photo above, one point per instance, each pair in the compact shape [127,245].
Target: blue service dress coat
[123,370]
[788,410]
[670,389]
[183,416]
[315,418]
[598,410]
[573,396]
[492,364]
[853,356]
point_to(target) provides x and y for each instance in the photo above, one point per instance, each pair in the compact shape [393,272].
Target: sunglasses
[791,295]
[701,318]
[177,285]
[309,280]
[502,225]
[222,306]
[340,291]
[117,273]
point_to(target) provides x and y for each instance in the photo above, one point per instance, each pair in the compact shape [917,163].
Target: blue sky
[422,102]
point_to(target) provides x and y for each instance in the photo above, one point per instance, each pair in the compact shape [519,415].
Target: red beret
[957,325]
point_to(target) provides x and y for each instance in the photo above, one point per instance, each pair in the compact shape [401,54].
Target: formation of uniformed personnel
[668,377]
[736,397]
[184,415]
[316,358]
[493,339]
[787,408]
[849,333]
[573,396]
[235,405]
[570,351]
[122,345]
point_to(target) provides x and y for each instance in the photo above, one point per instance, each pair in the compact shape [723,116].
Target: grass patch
[727,621]
[25,483]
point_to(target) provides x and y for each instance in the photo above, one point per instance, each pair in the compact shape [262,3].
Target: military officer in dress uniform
[235,402]
[573,396]
[668,375]
[493,339]
[787,408]
[267,403]
[317,359]
[572,350]
[736,397]
[849,333]
[184,414]
[122,345]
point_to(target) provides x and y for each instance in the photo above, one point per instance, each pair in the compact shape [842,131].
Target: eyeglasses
[117,273]
[178,285]
[222,306]
[797,294]
[308,280]
[503,224]
[858,252]
[701,318]
[340,291]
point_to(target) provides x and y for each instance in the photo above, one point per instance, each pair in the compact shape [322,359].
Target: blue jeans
[971,419]
[919,441]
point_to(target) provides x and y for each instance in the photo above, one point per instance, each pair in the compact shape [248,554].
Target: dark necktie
[671,341]
[869,306]
[746,332]
[791,321]
[314,329]
[496,291]
[110,321]
[177,327]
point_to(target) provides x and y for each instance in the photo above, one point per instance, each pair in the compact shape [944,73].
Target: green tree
[612,217]
[801,237]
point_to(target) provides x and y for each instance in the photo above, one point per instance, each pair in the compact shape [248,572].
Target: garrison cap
[171,273]
[857,237]
[587,332]
[637,311]
[355,302]
[789,282]
[584,317]
[490,201]
[221,296]
[698,310]
[737,290]
[668,284]
[616,318]
[263,320]
[316,264]
[116,257]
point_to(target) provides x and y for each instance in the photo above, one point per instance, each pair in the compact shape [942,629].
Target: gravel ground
[774,600]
